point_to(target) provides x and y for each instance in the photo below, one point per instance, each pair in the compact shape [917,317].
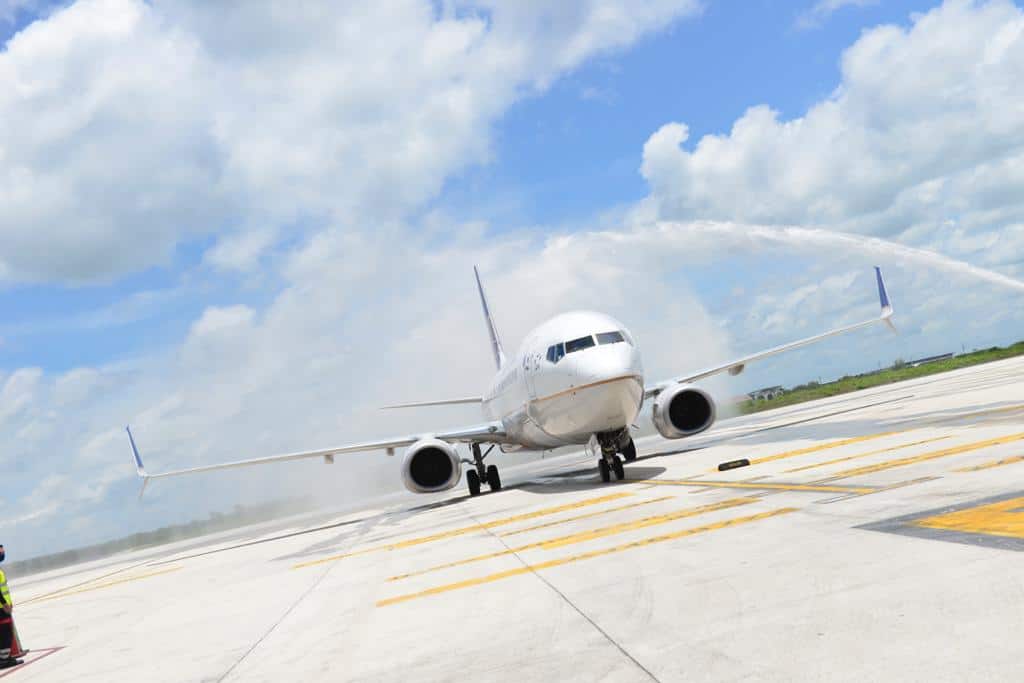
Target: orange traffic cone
[16,649]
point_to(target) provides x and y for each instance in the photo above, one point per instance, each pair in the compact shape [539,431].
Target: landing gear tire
[606,473]
[473,480]
[493,479]
[620,473]
[629,452]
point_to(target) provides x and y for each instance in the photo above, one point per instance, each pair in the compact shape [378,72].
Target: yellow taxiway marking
[1005,518]
[587,515]
[868,454]
[819,447]
[527,569]
[97,586]
[593,534]
[931,455]
[468,529]
[763,485]
[992,463]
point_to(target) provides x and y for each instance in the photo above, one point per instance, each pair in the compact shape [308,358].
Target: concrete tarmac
[874,536]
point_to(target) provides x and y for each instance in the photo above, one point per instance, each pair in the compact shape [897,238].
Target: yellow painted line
[819,447]
[469,529]
[931,455]
[762,485]
[571,539]
[587,515]
[98,586]
[519,571]
[868,454]
[1005,518]
[992,463]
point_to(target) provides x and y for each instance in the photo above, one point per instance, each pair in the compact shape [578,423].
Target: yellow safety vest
[5,595]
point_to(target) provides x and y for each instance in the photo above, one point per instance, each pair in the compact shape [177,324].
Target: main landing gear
[610,463]
[629,452]
[479,473]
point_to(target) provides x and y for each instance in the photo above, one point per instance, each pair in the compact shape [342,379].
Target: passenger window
[579,344]
[609,338]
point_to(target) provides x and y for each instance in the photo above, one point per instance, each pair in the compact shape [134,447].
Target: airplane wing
[736,366]
[489,432]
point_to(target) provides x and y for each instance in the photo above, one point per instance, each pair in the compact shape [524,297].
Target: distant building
[765,394]
[929,359]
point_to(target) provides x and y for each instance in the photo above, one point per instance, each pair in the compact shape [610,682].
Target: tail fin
[140,469]
[883,300]
[499,352]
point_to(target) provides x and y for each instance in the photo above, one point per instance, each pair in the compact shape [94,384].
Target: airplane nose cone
[609,381]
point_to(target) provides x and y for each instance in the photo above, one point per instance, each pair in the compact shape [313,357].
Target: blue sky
[242,234]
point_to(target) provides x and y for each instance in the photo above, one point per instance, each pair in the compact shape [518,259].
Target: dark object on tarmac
[733,464]
[8,663]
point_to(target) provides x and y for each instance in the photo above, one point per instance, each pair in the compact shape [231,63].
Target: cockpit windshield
[558,351]
[610,337]
[579,344]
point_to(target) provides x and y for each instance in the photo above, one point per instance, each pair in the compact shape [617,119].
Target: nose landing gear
[480,473]
[610,463]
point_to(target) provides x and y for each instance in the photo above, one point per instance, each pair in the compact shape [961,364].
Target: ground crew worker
[6,624]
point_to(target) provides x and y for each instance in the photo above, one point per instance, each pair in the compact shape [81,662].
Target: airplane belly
[525,433]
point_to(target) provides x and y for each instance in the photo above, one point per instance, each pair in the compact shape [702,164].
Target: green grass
[897,373]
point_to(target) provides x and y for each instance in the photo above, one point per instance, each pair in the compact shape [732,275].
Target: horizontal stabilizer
[445,402]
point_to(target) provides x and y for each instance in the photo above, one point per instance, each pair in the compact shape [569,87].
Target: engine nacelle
[683,410]
[431,465]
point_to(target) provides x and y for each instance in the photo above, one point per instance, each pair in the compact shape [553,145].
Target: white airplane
[575,378]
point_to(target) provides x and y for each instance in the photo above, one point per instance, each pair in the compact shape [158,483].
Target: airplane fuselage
[577,375]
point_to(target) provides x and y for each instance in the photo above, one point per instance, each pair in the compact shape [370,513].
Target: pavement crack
[361,532]
[277,623]
[597,627]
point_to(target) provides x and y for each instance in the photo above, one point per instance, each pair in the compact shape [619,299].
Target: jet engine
[431,465]
[683,410]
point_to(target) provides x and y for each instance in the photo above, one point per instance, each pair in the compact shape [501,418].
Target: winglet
[883,300]
[499,353]
[140,469]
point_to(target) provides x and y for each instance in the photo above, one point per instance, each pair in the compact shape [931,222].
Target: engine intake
[431,465]
[683,410]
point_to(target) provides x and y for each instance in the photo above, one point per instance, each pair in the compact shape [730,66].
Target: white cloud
[240,251]
[132,127]
[924,132]
[823,9]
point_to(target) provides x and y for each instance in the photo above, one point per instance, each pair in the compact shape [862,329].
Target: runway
[875,536]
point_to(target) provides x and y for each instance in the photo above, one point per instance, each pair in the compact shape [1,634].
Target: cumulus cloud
[131,127]
[922,140]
